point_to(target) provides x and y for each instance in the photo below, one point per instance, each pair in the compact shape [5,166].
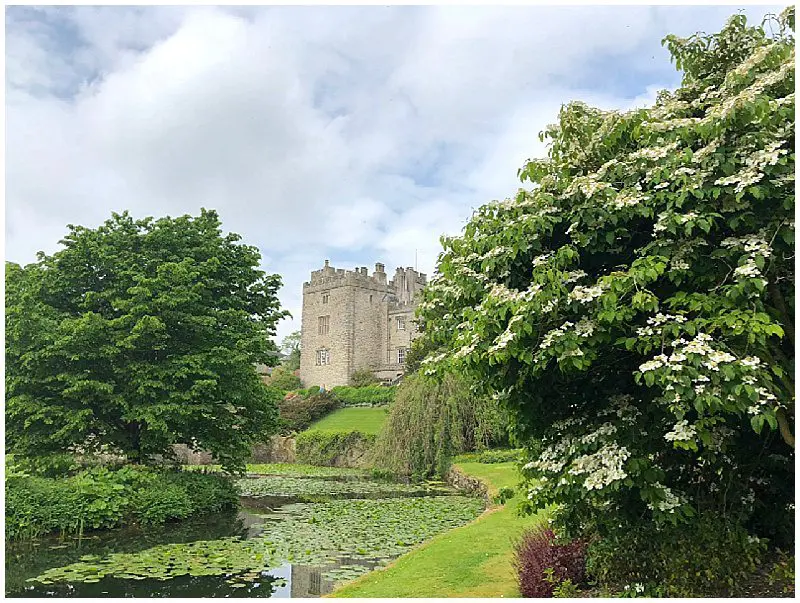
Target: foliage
[292,348]
[283,379]
[704,558]
[431,421]
[100,498]
[307,534]
[782,573]
[138,335]
[297,411]
[542,563]
[363,378]
[372,395]
[634,308]
[317,447]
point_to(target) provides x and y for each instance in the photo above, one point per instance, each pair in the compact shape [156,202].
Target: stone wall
[277,450]
[467,483]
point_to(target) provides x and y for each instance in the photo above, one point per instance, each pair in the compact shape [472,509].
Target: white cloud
[315,132]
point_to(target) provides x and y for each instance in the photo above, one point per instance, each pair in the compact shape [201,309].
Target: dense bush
[704,558]
[634,308]
[373,395]
[101,498]
[363,378]
[300,409]
[284,379]
[542,564]
[332,448]
[433,420]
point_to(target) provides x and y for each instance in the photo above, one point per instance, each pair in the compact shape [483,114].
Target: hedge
[100,498]
[370,395]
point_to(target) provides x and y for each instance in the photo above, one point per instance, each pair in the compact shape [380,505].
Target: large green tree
[634,308]
[138,335]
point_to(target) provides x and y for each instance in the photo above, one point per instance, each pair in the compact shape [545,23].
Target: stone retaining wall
[467,483]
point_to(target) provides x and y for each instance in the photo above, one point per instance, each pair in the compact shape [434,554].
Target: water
[259,519]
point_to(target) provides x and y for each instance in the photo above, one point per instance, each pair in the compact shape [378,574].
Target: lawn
[474,560]
[363,419]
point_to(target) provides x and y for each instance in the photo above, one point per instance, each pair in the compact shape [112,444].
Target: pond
[295,536]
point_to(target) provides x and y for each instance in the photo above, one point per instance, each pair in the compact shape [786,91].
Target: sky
[354,134]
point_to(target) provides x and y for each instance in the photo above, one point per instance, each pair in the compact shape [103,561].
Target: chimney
[327,263]
[379,267]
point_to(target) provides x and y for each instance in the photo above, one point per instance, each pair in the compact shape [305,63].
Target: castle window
[323,357]
[324,325]
[401,323]
[370,299]
[401,355]
[325,298]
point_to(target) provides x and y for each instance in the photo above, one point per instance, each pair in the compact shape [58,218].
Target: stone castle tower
[353,321]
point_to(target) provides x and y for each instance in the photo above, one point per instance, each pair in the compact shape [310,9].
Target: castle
[353,321]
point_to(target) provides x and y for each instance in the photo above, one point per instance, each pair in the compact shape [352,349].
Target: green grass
[363,419]
[474,560]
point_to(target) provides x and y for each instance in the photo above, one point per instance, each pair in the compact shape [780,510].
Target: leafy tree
[431,420]
[634,308]
[292,348]
[284,379]
[138,335]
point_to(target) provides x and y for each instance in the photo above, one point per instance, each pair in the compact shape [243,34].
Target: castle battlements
[355,320]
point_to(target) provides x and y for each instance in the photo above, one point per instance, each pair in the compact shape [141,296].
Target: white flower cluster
[502,293]
[540,260]
[770,155]
[554,334]
[629,198]
[754,246]
[655,363]
[606,429]
[585,327]
[507,336]
[591,187]
[603,467]
[586,294]
[654,153]
[669,504]
[746,177]
[574,275]
[661,223]
[495,252]
[552,458]
[681,432]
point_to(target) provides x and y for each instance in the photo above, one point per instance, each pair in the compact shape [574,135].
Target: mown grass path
[364,419]
[474,560]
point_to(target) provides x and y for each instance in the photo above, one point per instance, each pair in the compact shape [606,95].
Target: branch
[785,428]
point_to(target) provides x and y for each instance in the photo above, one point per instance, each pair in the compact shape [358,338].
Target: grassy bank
[366,420]
[474,560]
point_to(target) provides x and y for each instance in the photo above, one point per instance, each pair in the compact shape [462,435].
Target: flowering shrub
[542,564]
[634,308]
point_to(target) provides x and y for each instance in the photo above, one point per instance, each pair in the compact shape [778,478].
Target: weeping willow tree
[433,419]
